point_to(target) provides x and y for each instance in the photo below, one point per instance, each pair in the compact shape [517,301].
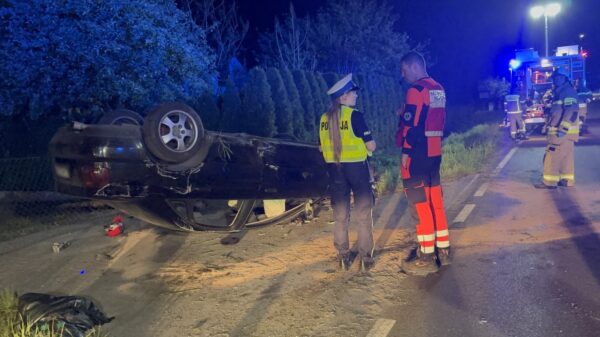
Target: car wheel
[173,132]
[121,116]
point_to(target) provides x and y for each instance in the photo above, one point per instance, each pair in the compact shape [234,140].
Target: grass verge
[464,153]
[12,324]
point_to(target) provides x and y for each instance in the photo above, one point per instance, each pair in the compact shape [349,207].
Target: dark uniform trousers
[421,180]
[346,178]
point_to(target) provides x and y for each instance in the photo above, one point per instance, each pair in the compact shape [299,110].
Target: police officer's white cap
[342,86]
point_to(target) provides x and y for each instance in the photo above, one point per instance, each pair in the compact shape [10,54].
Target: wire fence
[28,203]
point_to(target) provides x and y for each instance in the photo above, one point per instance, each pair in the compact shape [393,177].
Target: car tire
[173,132]
[121,116]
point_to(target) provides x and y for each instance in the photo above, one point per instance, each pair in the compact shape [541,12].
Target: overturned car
[168,171]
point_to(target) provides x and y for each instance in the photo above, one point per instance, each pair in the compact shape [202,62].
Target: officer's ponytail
[333,117]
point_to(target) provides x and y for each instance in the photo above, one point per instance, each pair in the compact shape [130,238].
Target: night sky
[469,39]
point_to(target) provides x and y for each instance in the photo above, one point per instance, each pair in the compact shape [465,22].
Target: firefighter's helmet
[559,72]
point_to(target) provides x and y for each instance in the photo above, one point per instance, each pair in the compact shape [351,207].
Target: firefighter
[346,142]
[514,114]
[563,132]
[422,130]
[584,97]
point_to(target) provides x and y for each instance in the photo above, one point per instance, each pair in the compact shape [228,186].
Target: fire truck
[530,77]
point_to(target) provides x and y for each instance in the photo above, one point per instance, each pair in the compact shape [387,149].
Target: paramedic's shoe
[421,265]
[544,186]
[443,256]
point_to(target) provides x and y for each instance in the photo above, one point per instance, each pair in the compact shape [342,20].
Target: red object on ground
[116,227]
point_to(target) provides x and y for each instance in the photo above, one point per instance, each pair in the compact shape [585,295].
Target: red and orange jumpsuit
[422,127]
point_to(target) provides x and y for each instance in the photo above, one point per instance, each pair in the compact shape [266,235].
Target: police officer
[512,107]
[346,142]
[563,132]
[423,127]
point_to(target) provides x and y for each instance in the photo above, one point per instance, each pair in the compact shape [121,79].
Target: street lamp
[546,11]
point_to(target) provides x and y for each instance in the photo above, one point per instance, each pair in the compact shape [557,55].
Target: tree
[358,36]
[296,106]
[364,95]
[317,95]
[208,111]
[330,78]
[258,112]
[283,108]
[231,108]
[85,57]
[306,99]
[288,45]
[323,90]
[224,29]
[494,89]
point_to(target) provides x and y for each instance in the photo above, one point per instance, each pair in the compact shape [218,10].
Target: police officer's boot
[366,263]
[345,261]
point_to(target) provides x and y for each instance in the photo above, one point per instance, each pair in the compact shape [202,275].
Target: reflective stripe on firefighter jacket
[424,117]
[353,147]
[512,104]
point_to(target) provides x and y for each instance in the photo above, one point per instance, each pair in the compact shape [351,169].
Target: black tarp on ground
[76,314]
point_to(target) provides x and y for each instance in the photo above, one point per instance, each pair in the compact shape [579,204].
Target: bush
[84,56]
[460,118]
[464,153]
[258,109]
[386,167]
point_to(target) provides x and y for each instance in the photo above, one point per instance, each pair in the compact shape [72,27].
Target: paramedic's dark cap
[342,86]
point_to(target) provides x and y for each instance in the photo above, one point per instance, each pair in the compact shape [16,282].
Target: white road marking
[481,191]
[457,200]
[504,161]
[381,328]
[471,182]
[464,213]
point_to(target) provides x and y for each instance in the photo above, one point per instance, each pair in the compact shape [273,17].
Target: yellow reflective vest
[353,148]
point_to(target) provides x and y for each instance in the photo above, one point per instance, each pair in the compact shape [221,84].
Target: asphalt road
[526,261]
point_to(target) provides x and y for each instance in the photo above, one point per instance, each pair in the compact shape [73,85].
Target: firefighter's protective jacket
[564,118]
